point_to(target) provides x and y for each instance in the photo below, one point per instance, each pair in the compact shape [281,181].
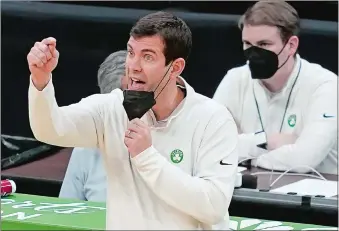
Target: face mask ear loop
[280,53]
[283,48]
[162,80]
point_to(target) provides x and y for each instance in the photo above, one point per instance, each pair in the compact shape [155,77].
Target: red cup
[7,187]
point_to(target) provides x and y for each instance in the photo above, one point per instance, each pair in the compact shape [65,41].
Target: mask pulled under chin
[263,63]
[137,103]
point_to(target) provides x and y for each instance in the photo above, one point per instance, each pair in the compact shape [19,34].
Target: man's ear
[177,68]
[294,43]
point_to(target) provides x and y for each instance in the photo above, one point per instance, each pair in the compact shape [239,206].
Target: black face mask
[263,63]
[137,103]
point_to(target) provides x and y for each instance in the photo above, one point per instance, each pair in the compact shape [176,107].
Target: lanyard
[287,103]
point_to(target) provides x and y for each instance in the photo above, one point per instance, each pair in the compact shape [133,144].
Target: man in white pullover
[170,153]
[285,107]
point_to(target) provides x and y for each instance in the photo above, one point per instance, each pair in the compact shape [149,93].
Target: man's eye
[148,57]
[246,45]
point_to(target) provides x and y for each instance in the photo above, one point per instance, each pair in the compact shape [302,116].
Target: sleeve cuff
[260,139]
[148,157]
[47,90]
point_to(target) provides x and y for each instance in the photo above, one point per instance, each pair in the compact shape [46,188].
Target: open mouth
[137,84]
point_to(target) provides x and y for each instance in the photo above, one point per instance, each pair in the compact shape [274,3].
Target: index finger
[49,41]
[138,122]
[133,128]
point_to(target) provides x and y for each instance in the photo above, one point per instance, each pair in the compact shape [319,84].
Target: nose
[133,63]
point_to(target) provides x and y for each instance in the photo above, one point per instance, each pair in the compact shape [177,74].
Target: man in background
[285,107]
[85,177]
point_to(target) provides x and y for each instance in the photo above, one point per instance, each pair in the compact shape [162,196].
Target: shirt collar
[150,117]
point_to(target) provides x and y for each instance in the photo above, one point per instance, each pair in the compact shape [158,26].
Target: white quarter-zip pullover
[177,183]
[311,114]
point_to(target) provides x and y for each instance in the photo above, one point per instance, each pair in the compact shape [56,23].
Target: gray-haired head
[111,71]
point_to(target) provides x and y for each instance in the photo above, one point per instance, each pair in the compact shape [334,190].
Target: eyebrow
[143,50]
[261,41]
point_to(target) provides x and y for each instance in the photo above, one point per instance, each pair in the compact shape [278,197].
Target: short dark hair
[175,33]
[273,13]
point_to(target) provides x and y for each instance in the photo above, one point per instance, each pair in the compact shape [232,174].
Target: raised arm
[75,125]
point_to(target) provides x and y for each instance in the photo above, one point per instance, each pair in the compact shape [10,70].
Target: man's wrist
[40,84]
